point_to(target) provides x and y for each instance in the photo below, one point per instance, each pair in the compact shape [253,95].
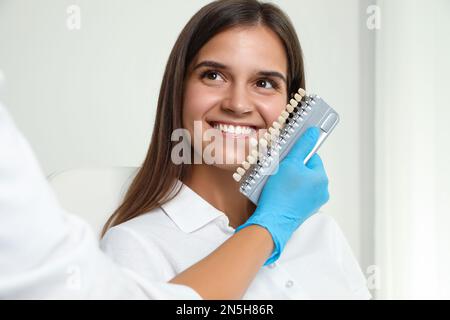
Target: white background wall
[88,97]
[413,150]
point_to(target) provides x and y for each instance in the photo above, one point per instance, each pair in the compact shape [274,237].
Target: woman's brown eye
[264,83]
[212,75]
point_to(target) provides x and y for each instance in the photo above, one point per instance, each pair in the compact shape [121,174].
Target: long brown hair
[155,182]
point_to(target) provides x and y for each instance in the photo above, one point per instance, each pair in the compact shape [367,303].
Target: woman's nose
[238,101]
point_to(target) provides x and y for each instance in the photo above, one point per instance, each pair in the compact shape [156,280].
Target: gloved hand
[291,195]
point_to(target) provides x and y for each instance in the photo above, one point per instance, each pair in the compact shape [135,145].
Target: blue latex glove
[291,195]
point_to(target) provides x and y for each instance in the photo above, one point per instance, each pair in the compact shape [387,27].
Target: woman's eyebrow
[218,65]
[209,63]
[272,74]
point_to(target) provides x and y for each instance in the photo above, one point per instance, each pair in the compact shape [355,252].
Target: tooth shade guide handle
[321,139]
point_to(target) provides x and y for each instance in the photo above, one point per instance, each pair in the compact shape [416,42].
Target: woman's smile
[237,130]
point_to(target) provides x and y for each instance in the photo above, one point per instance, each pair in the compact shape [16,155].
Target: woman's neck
[217,186]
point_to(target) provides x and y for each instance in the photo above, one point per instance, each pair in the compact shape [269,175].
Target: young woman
[48,253]
[231,72]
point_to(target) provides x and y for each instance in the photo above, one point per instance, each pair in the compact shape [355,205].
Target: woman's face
[235,89]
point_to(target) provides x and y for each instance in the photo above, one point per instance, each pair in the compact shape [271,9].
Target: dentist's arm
[47,253]
[228,271]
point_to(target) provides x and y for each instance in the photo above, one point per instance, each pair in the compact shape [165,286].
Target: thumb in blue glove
[291,195]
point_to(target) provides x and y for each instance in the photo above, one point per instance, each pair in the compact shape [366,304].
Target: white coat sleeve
[46,253]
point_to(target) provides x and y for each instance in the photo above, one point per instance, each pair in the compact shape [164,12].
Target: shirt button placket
[290,288]
[289,284]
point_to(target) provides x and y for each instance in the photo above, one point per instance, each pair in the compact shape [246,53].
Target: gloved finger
[315,163]
[304,145]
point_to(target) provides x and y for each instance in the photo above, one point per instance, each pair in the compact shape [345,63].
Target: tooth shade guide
[281,120]
[293,102]
[274,137]
[237,177]
[279,139]
[298,97]
[251,159]
[240,171]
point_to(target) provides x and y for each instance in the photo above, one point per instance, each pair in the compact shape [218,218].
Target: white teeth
[293,102]
[251,159]
[246,165]
[245,130]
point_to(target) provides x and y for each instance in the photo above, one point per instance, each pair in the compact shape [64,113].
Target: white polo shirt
[317,262]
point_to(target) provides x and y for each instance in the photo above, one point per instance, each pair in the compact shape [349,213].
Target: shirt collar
[189,211]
